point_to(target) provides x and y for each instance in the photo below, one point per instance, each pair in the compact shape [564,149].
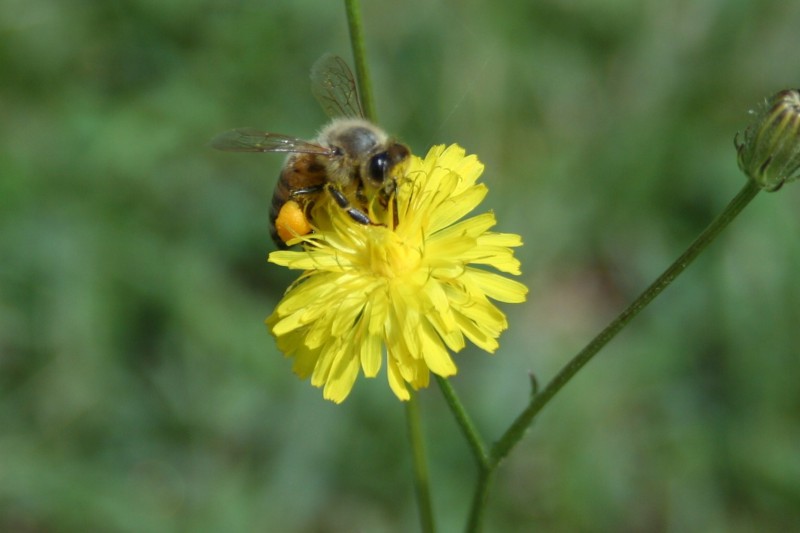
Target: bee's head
[363,150]
[382,168]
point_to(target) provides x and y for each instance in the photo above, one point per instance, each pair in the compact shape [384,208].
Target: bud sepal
[770,151]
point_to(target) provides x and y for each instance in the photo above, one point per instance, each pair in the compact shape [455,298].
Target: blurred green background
[140,390]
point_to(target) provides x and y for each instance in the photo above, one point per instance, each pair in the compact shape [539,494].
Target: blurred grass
[140,391]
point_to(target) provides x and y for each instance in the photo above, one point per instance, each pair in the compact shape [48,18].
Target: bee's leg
[360,196]
[306,190]
[298,195]
[342,201]
[384,198]
[363,200]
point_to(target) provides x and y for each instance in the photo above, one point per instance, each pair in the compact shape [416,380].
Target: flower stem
[360,58]
[465,423]
[487,464]
[479,499]
[421,478]
[517,429]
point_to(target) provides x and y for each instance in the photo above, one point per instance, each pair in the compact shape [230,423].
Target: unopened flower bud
[770,151]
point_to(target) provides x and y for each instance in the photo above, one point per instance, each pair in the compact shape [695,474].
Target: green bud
[770,151]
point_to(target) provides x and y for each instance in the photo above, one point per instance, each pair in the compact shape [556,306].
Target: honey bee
[350,162]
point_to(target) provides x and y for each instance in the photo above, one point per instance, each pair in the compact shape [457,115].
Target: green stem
[360,58]
[421,478]
[488,464]
[464,422]
[479,499]
[517,429]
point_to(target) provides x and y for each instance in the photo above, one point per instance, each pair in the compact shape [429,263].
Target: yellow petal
[472,227]
[434,353]
[370,354]
[507,240]
[497,287]
[486,340]
[343,375]
[304,361]
[327,356]
[456,208]
[396,381]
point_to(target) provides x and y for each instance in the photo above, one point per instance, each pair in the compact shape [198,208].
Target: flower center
[389,255]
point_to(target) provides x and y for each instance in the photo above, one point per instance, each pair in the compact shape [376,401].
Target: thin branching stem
[477,446]
[479,499]
[539,400]
[517,429]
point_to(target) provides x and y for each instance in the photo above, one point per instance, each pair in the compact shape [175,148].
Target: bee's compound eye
[379,166]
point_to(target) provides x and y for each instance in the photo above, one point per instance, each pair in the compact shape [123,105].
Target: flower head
[411,288]
[770,151]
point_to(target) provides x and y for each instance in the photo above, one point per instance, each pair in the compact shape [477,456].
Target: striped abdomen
[302,179]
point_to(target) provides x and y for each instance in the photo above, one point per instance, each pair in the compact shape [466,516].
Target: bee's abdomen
[301,171]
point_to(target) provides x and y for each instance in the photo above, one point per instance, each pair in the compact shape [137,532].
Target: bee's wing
[253,140]
[334,87]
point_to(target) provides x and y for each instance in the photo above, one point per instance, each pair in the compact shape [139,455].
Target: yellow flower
[412,285]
